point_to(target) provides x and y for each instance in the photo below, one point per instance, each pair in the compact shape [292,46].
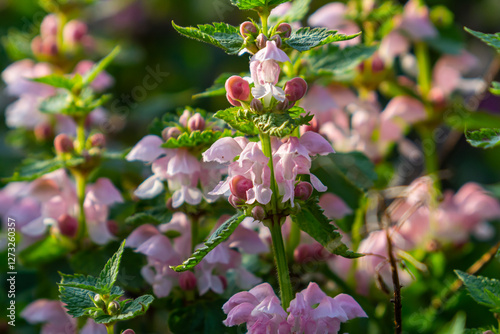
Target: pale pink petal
[271,51]
[104,192]
[223,150]
[92,328]
[140,235]
[158,247]
[150,188]
[315,143]
[147,149]
[317,183]
[334,206]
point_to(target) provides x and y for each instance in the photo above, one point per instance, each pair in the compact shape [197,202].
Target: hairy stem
[80,135]
[398,321]
[281,262]
[268,152]
[110,328]
[81,182]
[424,73]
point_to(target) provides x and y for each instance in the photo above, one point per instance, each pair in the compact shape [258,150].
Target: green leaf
[55,80]
[57,104]
[235,118]
[456,326]
[221,234]
[107,277]
[490,39]
[222,35]
[462,119]
[135,308]
[157,215]
[33,169]
[99,67]
[256,4]
[45,250]
[306,38]
[217,88]
[484,290]
[79,281]
[196,138]
[311,220]
[495,88]
[484,138]
[281,124]
[334,60]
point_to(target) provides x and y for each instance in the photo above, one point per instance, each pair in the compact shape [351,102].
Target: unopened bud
[186,115]
[98,301]
[277,39]
[261,41]
[247,28]
[196,122]
[63,143]
[256,105]
[283,105]
[303,191]
[98,140]
[235,201]
[170,132]
[258,213]
[37,46]
[187,281]
[67,225]
[295,89]
[237,88]
[114,307]
[312,126]
[284,29]
[377,64]
[239,186]
[49,46]
[74,31]
[301,254]
[112,227]
[232,101]
[128,331]
[49,26]
[43,131]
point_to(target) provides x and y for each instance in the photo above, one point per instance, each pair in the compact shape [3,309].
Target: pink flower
[334,206]
[101,82]
[265,75]
[270,52]
[415,21]
[448,72]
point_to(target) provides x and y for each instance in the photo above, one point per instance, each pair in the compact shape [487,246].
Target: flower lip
[271,51]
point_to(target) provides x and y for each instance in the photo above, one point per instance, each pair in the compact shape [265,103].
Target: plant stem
[424,73]
[268,152]
[398,321]
[281,262]
[81,182]
[263,18]
[80,135]
[110,328]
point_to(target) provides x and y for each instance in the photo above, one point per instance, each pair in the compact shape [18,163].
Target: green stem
[424,73]
[263,18]
[268,152]
[110,328]
[80,134]
[81,182]
[281,262]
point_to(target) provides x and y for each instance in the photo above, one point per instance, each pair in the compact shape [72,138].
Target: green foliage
[297,12]
[306,38]
[492,40]
[311,220]
[196,139]
[221,234]
[495,89]
[333,60]
[484,138]
[45,250]
[57,81]
[217,88]
[107,277]
[257,5]
[462,119]
[157,215]
[222,35]
[237,120]
[137,307]
[33,169]
[99,67]
[456,326]
[484,290]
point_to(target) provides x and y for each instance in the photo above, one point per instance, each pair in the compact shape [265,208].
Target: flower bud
[235,201]
[98,301]
[112,227]
[261,41]
[247,28]
[233,102]
[295,89]
[237,88]
[186,115]
[301,254]
[128,331]
[43,131]
[284,29]
[74,31]
[377,65]
[283,105]
[114,307]
[312,126]
[258,213]
[277,39]
[63,143]
[170,132]
[49,46]
[303,191]
[239,186]
[97,140]
[187,281]
[37,46]
[49,26]
[67,225]
[256,105]
[196,122]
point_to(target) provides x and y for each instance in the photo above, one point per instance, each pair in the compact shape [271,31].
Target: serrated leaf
[495,88]
[490,39]
[484,138]
[107,277]
[135,308]
[221,234]
[157,215]
[222,35]
[256,4]
[477,286]
[55,80]
[196,138]
[306,38]
[99,67]
[79,281]
[332,59]
[57,104]
[232,117]
[31,170]
[311,220]
[281,125]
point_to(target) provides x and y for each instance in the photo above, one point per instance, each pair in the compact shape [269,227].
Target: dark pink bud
[284,29]
[233,102]
[187,280]
[256,105]
[312,126]
[258,213]
[49,46]
[196,122]
[112,227]
[239,186]
[67,225]
[170,132]
[237,88]
[283,105]
[37,46]
[74,31]
[261,41]
[43,131]
[301,254]
[235,201]
[295,89]
[49,26]
[128,331]
[277,39]
[303,191]
[63,143]
[98,140]
[377,65]
[247,28]
[224,281]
